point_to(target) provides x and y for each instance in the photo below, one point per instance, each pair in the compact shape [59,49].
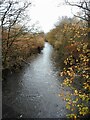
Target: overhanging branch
[80,6]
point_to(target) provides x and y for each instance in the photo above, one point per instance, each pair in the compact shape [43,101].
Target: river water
[34,91]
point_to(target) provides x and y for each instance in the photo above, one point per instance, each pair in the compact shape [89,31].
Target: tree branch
[77,5]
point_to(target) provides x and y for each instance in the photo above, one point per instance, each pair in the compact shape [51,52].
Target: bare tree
[84,5]
[12,13]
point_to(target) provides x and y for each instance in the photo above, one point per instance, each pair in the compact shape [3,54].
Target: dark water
[34,92]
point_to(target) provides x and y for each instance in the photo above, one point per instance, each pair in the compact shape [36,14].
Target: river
[34,91]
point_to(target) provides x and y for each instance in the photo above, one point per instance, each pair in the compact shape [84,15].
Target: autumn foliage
[71,41]
[18,47]
[19,40]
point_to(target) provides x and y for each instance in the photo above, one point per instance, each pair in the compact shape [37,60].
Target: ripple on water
[35,91]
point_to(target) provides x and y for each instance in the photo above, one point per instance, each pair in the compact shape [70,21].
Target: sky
[47,12]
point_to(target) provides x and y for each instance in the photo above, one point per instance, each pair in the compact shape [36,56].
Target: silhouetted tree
[84,5]
[12,13]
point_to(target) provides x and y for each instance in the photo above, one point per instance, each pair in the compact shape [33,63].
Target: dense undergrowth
[19,39]
[19,46]
[70,40]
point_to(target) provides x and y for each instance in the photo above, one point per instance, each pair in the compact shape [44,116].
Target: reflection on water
[34,91]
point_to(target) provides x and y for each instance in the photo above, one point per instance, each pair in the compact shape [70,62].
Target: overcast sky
[47,12]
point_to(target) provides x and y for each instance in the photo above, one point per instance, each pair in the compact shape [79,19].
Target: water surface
[34,91]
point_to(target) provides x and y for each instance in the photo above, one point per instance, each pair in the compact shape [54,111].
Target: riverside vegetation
[19,41]
[22,47]
[70,41]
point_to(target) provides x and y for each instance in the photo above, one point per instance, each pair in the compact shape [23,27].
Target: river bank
[20,65]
